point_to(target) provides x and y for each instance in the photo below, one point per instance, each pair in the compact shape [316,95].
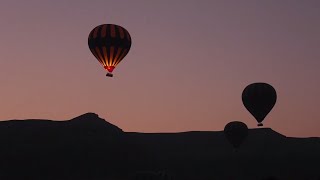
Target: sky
[188,64]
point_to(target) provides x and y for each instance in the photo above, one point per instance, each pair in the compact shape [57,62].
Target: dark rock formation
[88,147]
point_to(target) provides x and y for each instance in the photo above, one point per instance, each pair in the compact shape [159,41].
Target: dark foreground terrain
[89,148]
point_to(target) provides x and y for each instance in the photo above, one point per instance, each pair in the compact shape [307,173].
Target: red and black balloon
[109,43]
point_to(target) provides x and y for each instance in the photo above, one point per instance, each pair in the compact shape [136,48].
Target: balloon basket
[260,124]
[109,75]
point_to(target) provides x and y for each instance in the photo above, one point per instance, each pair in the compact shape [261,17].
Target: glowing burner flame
[109,68]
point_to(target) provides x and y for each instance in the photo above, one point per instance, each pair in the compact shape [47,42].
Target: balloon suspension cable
[260,124]
[109,75]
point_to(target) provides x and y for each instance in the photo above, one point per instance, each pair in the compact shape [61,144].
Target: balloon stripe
[124,53]
[121,51]
[104,31]
[103,59]
[99,54]
[111,55]
[96,55]
[102,55]
[104,49]
[95,33]
[128,36]
[121,32]
[107,33]
[117,56]
[113,31]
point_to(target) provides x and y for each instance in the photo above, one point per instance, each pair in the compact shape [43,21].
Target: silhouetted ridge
[93,121]
[88,116]
[45,149]
[86,122]
[270,132]
[88,147]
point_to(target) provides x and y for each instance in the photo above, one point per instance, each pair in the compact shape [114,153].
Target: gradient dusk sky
[187,67]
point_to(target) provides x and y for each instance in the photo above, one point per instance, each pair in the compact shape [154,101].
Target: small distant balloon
[259,99]
[109,43]
[236,132]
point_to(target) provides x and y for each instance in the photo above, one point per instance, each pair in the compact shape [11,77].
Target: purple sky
[187,67]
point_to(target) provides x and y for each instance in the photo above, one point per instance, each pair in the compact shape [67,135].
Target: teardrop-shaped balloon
[259,99]
[236,132]
[109,43]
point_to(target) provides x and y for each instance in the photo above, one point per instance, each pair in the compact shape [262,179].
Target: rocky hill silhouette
[88,147]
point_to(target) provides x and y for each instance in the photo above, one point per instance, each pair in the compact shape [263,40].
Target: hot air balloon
[109,43]
[236,132]
[259,99]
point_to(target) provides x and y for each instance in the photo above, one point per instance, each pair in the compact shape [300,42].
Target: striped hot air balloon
[109,43]
[259,99]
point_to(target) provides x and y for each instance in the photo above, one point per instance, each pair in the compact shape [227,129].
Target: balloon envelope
[236,132]
[109,43]
[259,99]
